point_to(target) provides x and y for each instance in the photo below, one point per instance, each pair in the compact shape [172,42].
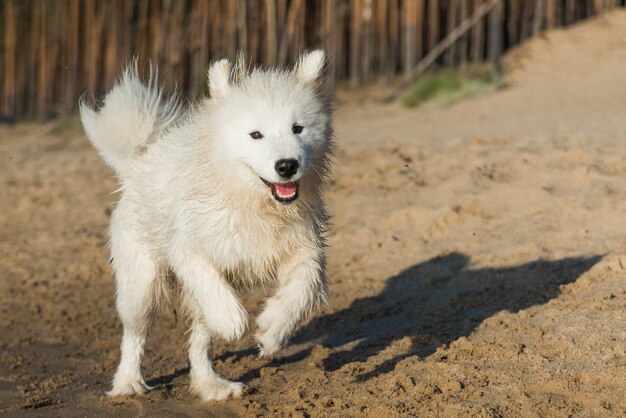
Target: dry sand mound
[477,262]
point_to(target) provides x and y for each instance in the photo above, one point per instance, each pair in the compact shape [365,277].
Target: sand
[477,262]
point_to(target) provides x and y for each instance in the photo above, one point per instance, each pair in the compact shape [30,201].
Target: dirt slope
[477,262]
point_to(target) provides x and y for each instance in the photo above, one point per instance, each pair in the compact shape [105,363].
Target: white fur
[133,116]
[219,78]
[310,67]
[193,204]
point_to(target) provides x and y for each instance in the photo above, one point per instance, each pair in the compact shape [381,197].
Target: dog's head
[273,125]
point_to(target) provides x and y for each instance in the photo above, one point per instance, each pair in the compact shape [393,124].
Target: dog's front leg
[302,289]
[215,310]
[218,304]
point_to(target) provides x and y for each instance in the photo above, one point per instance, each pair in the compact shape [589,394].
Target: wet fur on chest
[247,248]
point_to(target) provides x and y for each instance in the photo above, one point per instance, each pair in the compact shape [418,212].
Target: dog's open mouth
[284,192]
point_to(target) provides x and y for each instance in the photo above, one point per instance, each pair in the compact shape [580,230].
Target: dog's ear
[219,79]
[310,68]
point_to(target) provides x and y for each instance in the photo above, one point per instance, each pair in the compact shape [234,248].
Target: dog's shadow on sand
[433,303]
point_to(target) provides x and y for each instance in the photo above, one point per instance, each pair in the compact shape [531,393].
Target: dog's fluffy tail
[132,116]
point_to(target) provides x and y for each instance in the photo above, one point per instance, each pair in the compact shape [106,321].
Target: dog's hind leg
[301,291]
[205,381]
[136,273]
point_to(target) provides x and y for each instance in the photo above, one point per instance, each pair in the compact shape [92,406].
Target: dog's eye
[296,129]
[256,135]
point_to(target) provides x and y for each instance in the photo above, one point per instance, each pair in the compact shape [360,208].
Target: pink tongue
[286,190]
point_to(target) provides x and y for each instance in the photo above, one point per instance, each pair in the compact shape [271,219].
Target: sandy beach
[477,261]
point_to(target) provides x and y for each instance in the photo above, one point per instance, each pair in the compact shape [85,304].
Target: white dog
[221,198]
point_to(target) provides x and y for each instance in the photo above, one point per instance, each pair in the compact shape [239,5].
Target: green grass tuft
[446,88]
[67,125]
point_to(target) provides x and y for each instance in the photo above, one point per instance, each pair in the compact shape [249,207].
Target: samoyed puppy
[217,199]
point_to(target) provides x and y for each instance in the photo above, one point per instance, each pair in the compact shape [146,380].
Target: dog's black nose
[287,167]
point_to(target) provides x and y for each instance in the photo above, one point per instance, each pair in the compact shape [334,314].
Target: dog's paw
[273,330]
[230,332]
[231,323]
[129,387]
[217,389]
[269,342]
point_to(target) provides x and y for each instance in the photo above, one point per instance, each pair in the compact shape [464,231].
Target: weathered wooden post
[329,19]
[355,43]
[538,19]
[272,33]
[495,31]
[410,30]
[478,35]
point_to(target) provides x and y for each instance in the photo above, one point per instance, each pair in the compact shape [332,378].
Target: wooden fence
[52,51]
